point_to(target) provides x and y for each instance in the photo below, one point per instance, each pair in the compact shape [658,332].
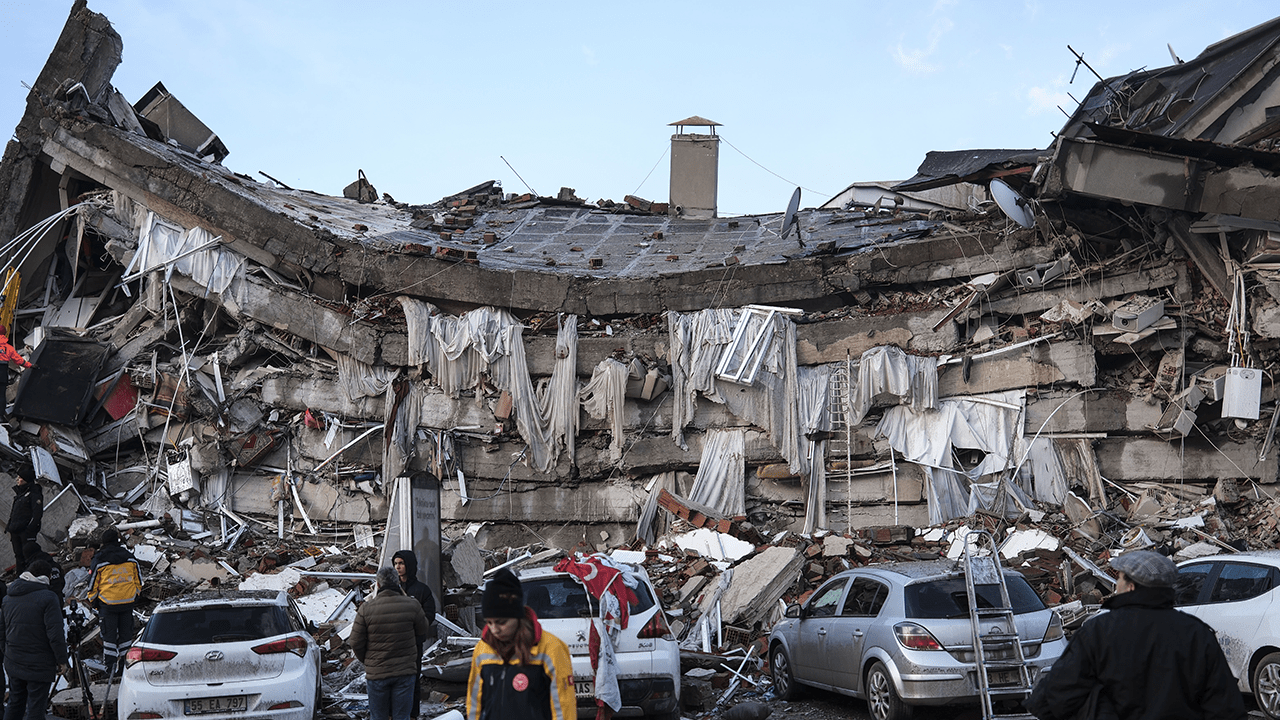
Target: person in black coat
[406,564]
[1147,660]
[25,514]
[32,642]
[33,552]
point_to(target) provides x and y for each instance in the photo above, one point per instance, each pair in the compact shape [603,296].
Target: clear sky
[427,97]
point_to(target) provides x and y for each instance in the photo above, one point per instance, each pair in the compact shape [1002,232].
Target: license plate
[584,688]
[203,706]
[1003,677]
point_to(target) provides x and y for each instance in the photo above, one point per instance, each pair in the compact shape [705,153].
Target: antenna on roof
[1016,207]
[790,220]
[1176,60]
[531,190]
[1080,61]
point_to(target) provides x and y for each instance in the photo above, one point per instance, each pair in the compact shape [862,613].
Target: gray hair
[388,578]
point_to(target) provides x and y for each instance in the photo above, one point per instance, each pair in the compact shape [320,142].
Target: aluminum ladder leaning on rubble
[1000,668]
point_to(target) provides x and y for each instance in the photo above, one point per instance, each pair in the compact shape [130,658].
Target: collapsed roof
[278,352]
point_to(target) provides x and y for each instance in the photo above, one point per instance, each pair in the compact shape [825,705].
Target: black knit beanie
[503,596]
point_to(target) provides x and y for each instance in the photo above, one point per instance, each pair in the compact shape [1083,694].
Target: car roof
[1266,557]
[907,572]
[224,597]
[547,571]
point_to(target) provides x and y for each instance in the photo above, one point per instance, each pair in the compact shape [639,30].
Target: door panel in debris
[59,387]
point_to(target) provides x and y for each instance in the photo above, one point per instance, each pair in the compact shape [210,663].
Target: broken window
[752,339]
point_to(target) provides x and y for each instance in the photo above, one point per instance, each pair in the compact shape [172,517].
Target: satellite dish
[789,220]
[1014,205]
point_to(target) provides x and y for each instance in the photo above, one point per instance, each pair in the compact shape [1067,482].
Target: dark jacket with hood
[31,636]
[417,589]
[1153,662]
[31,552]
[27,509]
[385,633]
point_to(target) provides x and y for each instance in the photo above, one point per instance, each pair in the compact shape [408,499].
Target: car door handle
[822,631]
[857,633]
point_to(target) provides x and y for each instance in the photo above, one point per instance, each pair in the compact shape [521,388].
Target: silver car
[899,635]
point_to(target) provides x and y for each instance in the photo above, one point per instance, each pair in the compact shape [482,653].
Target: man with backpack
[113,588]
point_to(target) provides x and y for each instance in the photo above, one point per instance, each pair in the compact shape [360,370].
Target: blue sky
[426,97]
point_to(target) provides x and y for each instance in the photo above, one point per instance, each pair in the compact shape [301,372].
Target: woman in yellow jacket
[518,672]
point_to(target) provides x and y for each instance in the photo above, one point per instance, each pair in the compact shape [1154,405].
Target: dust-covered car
[1236,596]
[648,658]
[223,654]
[899,635]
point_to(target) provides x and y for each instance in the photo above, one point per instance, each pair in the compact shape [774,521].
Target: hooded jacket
[27,509]
[31,552]
[415,588]
[387,633]
[1153,662]
[111,554]
[541,690]
[31,636]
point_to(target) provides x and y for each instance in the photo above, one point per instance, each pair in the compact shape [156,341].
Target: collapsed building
[1007,330]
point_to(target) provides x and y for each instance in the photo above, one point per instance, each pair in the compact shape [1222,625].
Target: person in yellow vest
[113,589]
[518,670]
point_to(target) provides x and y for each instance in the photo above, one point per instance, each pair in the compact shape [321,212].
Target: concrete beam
[1090,288]
[1106,411]
[1042,364]
[948,256]
[1133,459]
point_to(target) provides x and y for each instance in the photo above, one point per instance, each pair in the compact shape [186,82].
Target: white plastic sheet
[815,388]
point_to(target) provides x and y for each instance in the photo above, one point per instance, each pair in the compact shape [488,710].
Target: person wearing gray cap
[1142,659]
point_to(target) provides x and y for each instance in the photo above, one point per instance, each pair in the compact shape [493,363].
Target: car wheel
[784,683]
[882,698]
[1266,685]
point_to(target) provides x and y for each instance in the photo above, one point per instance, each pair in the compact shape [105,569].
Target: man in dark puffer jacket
[384,635]
[1152,662]
[26,513]
[32,642]
[406,564]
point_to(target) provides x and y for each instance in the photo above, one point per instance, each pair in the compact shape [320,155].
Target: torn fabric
[360,379]
[721,480]
[887,370]
[159,242]
[697,342]
[991,423]
[812,400]
[457,350]
[603,397]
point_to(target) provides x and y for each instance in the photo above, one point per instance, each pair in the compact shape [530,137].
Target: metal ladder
[998,653]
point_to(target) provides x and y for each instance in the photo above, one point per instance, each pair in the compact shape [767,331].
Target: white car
[647,653]
[223,654]
[1236,595]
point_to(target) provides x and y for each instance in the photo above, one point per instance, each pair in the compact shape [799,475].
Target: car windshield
[947,597]
[561,596]
[215,623]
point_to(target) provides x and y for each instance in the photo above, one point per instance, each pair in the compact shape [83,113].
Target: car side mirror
[793,611]
[311,627]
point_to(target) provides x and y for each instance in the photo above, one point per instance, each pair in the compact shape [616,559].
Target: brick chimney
[695,169]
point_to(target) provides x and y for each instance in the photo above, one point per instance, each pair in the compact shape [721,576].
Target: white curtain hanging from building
[887,370]
[163,245]
[721,480]
[603,397]
[812,400]
[697,342]
[457,350]
[991,423]
[360,379]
